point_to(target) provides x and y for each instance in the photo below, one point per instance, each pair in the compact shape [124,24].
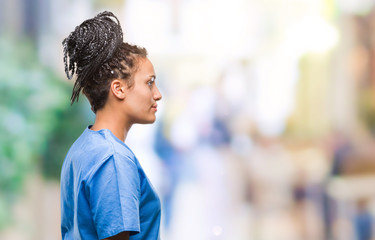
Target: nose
[157,94]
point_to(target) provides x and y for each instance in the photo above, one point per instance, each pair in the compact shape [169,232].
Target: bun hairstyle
[96,54]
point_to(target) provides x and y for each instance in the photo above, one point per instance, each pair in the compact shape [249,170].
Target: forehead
[145,67]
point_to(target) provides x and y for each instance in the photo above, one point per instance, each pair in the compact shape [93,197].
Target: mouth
[155,107]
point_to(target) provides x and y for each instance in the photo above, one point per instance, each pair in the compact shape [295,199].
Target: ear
[118,88]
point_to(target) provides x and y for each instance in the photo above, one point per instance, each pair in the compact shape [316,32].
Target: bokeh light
[265,131]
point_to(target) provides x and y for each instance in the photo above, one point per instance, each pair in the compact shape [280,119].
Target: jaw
[150,118]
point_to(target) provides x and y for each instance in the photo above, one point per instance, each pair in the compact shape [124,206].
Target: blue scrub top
[104,191]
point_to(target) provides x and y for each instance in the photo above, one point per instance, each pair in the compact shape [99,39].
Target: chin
[152,121]
[148,121]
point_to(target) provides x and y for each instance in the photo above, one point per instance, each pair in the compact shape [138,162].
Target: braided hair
[96,53]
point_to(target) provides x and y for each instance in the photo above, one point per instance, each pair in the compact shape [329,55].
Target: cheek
[146,97]
[142,101]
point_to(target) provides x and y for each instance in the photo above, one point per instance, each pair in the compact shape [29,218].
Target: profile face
[141,99]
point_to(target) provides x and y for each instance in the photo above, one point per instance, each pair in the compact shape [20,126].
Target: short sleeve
[114,195]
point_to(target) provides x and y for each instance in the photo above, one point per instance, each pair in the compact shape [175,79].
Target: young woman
[105,194]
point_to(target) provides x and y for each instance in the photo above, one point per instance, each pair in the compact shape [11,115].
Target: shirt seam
[96,167]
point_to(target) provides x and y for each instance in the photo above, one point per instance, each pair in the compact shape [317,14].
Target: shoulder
[89,151]
[113,157]
[90,143]
[115,176]
[114,166]
[94,148]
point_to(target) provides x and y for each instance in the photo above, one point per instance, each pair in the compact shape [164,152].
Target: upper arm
[113,194]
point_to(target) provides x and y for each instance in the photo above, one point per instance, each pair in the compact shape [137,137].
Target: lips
[155,107]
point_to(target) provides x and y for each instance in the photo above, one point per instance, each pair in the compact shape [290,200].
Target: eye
[151,81]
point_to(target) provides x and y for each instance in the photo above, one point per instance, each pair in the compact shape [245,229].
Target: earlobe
[118,89]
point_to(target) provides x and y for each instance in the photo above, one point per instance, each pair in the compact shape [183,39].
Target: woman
[105,194]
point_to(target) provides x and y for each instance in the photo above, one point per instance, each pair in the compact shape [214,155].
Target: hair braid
[96,53]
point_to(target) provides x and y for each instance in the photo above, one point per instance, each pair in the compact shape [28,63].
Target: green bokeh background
[37,123]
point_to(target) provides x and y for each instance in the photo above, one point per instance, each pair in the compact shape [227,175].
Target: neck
[113,121]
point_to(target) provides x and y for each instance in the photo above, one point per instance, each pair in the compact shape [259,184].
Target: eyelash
[149,83]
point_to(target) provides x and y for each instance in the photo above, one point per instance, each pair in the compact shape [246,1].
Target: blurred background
[265,131]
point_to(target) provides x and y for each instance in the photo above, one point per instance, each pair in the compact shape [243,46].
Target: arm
[120,236]
[113,184]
